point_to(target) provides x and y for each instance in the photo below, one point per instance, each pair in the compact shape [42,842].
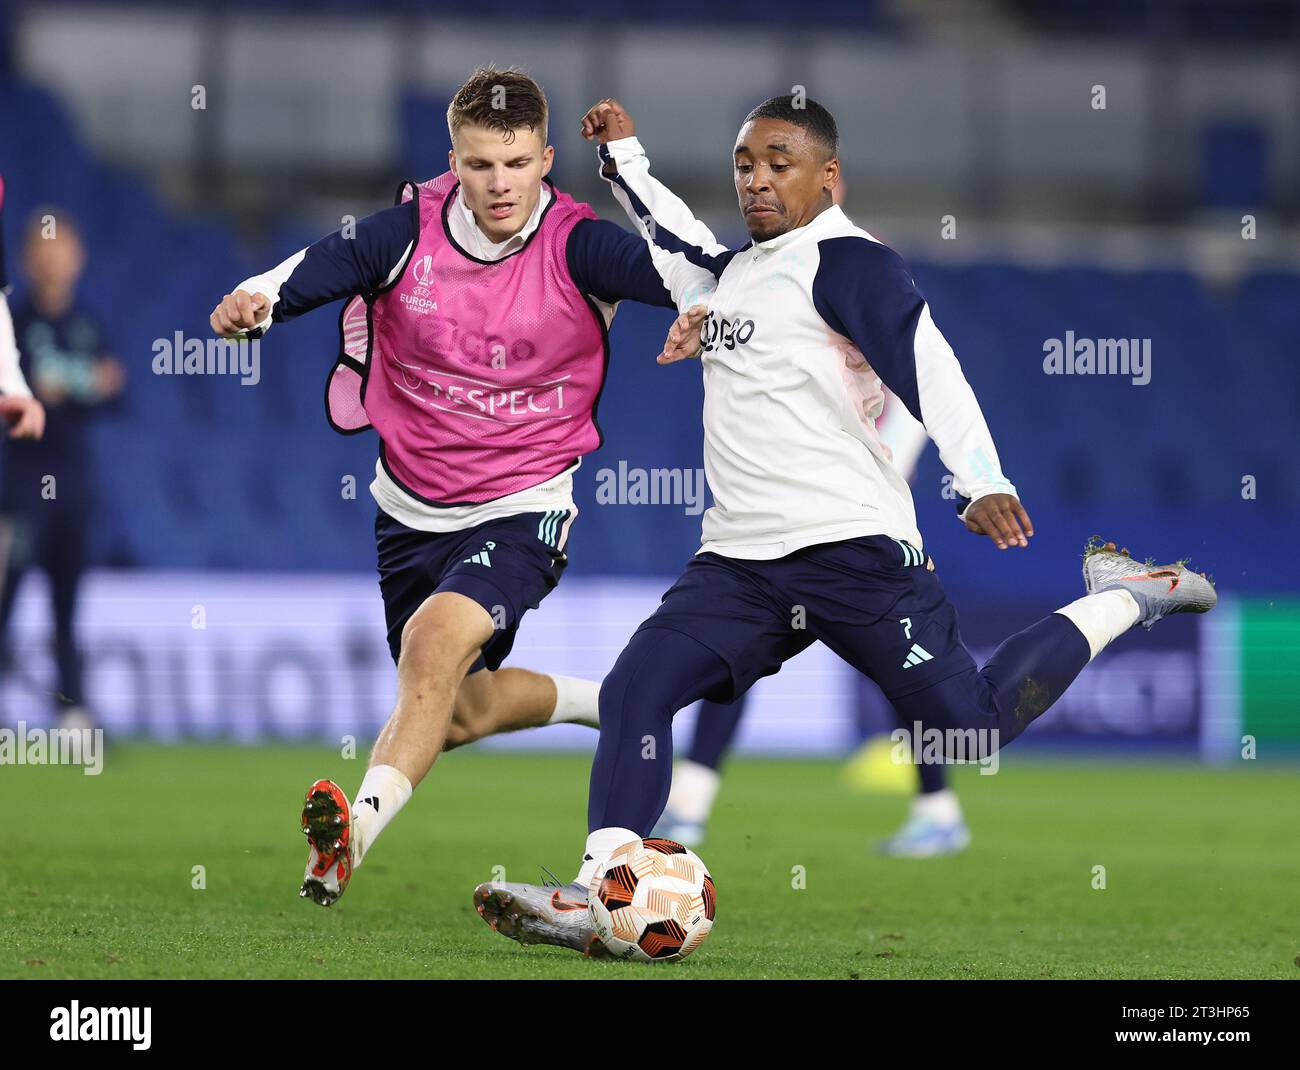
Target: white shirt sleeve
[12,381]
[688,271]
[268,284]
[661,205]
[953,418]
[864,290]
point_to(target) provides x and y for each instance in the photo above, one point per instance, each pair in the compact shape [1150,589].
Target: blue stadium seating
[204,472]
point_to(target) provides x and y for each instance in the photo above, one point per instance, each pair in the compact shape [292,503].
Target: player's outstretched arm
[342,264]
[688,274]
[611,265]
[657,213]
[864,291]
[999,516]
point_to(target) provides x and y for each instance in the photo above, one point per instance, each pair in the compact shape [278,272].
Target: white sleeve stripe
[401,263]
[268,284]
[689,283]
[665,207]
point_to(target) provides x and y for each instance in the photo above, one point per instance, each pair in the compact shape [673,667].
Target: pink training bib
[480,377]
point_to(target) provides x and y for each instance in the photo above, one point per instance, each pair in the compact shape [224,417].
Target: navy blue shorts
[871,600]
[507,566]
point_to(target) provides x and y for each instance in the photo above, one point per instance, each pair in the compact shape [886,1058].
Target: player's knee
[636,680]
[471,718]
[615,687]
[610,704]
[458,735]
[431,645]
[960,704]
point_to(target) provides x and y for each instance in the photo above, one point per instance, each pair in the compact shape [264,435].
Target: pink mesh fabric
[343,396]
[481,377]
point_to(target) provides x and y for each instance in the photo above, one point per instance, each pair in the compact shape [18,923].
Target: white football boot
[1159,590]
[540,914]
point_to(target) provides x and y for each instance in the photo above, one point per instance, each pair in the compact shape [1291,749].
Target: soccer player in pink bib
[475,342]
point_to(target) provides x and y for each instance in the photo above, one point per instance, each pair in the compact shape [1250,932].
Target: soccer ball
[652,901]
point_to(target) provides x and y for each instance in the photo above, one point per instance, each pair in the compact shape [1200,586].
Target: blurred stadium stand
[205,473]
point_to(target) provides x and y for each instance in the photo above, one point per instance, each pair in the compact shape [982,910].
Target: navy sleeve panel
[863,290]
[612,264]
[337,267]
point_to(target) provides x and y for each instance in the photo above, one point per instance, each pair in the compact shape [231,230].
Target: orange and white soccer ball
[652,901]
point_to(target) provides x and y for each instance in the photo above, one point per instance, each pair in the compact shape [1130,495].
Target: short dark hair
[501,100]
[808,114]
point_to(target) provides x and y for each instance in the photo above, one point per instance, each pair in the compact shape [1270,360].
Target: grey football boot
[540,914]
[1159,590]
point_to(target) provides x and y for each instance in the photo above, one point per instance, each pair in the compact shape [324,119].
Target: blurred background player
[935,826]
[47,498]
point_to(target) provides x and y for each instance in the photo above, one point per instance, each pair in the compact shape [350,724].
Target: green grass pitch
[1201,872]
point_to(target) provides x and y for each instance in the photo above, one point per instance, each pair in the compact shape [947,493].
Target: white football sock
[1102,617]
[576,700]
[384,790]
[941,807]
[600,845]
[695,786]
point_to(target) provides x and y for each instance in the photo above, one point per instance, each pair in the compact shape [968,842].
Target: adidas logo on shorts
[916,656]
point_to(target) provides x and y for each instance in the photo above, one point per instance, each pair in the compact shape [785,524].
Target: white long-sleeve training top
[802,331]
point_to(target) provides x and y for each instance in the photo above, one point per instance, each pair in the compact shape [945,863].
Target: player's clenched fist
[239,312]
[607,121]
[1002,518]
[683,339]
